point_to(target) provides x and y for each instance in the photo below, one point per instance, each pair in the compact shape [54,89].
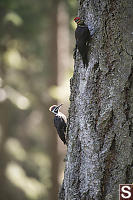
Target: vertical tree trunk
[100,124]
[63,64]
[53,61]
[62,42]
[59,59]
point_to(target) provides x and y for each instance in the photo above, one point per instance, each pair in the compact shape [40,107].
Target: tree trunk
[100,122]
[53,63]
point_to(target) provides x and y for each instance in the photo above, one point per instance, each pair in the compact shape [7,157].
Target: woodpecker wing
[60,125]
[82,35]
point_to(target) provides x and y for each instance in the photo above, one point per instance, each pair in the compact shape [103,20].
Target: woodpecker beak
[59,106]
[57,109]
[54,109]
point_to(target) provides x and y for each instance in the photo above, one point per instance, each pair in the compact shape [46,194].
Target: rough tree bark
[100,122]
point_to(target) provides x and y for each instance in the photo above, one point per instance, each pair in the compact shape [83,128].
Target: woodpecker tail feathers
[85,60]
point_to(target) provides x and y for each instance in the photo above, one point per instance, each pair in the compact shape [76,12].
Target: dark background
[36,46]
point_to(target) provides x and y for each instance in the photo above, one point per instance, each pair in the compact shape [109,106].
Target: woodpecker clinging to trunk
[82,36]
[59,121]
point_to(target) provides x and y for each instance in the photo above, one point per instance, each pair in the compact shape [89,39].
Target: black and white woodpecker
[82,36]
[59,121]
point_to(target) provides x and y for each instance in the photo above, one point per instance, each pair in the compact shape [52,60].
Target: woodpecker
[82,36]
[59,121]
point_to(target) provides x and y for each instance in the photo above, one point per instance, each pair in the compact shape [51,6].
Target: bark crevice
[109,160]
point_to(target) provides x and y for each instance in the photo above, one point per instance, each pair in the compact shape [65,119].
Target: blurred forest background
[36,45]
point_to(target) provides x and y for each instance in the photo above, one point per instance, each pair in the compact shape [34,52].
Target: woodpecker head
[79,21]
[54,109]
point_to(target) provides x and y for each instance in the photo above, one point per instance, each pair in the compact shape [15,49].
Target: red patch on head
[77,19]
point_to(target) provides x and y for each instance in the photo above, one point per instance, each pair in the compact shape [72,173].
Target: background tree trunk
[53,81]
[100,119]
